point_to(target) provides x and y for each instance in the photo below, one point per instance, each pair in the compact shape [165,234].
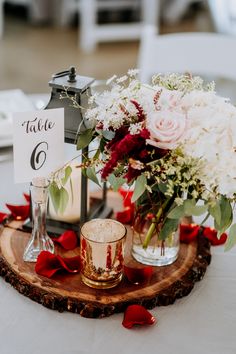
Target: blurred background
[99,37]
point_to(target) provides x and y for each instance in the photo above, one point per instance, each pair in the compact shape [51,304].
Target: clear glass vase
[39,240]
[156,252]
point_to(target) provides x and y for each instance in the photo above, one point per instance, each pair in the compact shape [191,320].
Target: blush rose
[166,129]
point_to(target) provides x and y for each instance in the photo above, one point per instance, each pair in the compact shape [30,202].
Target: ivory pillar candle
[72,211]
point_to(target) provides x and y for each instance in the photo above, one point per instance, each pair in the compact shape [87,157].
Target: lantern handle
[71,72]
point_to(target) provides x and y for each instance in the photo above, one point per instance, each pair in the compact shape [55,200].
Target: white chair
[208,54]
[91,32]
[223,15]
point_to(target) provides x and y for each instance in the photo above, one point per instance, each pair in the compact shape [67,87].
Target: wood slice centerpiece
[66,292]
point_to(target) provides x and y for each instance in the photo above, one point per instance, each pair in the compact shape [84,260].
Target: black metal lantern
[78,90]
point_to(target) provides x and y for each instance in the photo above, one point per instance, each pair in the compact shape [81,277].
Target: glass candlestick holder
[39,240]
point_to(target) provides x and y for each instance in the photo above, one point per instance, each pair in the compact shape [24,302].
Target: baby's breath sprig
[184,83]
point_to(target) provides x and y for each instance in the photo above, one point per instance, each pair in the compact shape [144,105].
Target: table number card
[38,143]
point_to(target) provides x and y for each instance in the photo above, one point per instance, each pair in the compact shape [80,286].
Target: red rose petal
[3,216]
[27,197]
[188,233]
[48,264]
[71,265]
[137,315]
[125,216]
[68,240]
[19,212]
[138,275]
[211,235]
[127,195]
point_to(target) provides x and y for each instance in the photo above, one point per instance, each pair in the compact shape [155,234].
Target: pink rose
[166,129]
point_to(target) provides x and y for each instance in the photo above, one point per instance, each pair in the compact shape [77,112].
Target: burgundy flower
[140,112]
[132,173]
[130,146]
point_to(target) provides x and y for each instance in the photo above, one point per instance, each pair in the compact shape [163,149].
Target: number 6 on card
[38,143]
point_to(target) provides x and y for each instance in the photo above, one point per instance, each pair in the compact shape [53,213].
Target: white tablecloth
[203,322]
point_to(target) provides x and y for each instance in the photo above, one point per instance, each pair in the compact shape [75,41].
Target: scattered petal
[137,315]
[211,235]
[125,216]
[3,217]
[19,212]
[188,233]
[68,240]
[138,275]
[49,264]
[27,197]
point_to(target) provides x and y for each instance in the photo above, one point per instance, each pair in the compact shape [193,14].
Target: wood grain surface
[66,292]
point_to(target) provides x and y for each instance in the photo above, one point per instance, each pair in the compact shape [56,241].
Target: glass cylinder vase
[148,247]
[39,240]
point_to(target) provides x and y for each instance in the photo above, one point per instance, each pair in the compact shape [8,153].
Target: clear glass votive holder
[102,253]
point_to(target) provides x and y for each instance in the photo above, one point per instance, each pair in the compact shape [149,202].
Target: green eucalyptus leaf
[215,212]
[91,174]
[116,182]
[54,193]
[64,198]
[176,213]
[191,208]
[96,155]
[198,210]
[108,134]
[170,225]
[71,192]
[189,204]
[231,239]
[162,187]
[139,188]
[226,216]
[68,171]
[84,139]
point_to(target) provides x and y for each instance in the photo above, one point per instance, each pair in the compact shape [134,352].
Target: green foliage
[188,208]
[91,174]
[176,213]
[140,187]
[108,134]
[59,197]
[116,182]
[68,171]
[215,212]
[84,139]
[170,225]
[226,216]
[231,240]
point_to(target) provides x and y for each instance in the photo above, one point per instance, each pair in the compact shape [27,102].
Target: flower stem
[153,224]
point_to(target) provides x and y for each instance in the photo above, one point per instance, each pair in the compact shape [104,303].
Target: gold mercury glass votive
[102,253]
